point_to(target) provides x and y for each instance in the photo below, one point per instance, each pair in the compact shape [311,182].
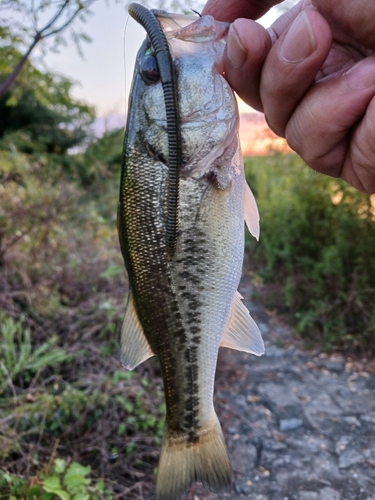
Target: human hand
[313,75]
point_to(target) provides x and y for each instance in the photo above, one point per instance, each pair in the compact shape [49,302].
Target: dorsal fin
[251,214]
[134,346]
[242,332]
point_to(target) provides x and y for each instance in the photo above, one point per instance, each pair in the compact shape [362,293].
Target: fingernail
[235,50]
[362,75]
[300,41]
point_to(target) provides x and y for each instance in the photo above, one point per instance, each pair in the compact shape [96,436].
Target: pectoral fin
[242,332]
[251,214]
[134,346]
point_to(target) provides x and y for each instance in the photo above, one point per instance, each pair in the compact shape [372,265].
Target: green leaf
[81,496]
[112,270]
[129,407]
[121,375]
[52,485]
[59,465]
[121,429]
[99,486]
[75,476]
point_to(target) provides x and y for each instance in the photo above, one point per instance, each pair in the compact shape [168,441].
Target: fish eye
[149,70]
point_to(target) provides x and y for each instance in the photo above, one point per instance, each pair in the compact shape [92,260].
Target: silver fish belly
[183,304]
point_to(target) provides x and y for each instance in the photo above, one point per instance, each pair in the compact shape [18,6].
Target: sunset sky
[255,136]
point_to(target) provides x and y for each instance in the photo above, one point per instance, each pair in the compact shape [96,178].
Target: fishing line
[164,60]
[125,73]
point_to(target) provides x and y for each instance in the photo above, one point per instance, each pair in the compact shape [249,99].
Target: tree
[40,110]
[54,16]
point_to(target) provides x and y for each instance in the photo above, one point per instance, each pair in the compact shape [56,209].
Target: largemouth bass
[183,201]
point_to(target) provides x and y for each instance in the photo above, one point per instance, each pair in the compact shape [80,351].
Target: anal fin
[242,332]
[134,346]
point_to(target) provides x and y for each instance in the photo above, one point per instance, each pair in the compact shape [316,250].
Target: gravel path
[299,425]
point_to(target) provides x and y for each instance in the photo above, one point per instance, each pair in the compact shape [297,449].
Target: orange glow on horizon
[256,137]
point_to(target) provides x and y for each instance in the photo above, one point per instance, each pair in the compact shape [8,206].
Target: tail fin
[182,463]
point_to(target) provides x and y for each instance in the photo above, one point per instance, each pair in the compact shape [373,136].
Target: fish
[182,206]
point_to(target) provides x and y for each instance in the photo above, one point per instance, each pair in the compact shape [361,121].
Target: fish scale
[183,302]
[152,282]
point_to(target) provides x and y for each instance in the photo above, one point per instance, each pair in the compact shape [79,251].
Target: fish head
[207,106]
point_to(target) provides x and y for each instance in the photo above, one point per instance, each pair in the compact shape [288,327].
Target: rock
[268,459]
[349,457]
[369,455]
[264,328]
[282,462]
[325,467]
[369,417]
[273,352]
[246,456]
[281,395]
[308,495]
[334,365]
[319,411]
[232,430]
[290,424]
[282,479]
[246,488]
[308,445]
[370,384]
[352,421]
[237,487]
[271,445]
[323,403]
[329,494]
[350,400]
[342,443]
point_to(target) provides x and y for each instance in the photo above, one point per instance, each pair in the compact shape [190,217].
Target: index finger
[229,10]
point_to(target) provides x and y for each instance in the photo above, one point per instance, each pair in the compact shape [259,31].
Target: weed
[317,242]
[18,357]
[60,480]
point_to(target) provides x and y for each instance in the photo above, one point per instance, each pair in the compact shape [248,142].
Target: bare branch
[47,31]
[55,18]
[63,26]
[8,82]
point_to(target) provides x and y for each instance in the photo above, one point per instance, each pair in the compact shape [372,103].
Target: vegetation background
[73,424]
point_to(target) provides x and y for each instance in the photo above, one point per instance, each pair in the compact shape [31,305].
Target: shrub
[57,480]
[317,241]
